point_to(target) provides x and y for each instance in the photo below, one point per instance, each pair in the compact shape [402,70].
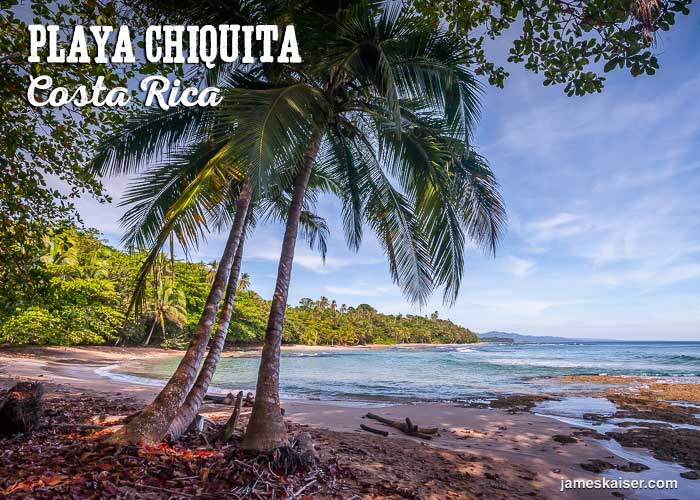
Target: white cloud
[559,226]
[519,267]
[548,126]
[647,176]
[302,257]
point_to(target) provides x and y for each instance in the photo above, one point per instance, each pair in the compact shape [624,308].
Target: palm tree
[211,272]
[381,100]
[323,303]
[193,189]
[383,97]
[187,412]
[169,303]
[244,282]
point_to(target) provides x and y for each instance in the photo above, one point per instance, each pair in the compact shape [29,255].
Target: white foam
[107,371]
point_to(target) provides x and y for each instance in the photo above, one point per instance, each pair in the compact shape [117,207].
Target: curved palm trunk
[150,332]
[266,429]
[193,402]
[153,422]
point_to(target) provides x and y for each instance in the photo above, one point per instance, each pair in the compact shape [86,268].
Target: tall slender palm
[169,303]
[384,99]
[244,282]
[385,104]
[187,412]
[190,188]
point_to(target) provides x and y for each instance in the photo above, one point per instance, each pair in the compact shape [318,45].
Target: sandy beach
[479,452]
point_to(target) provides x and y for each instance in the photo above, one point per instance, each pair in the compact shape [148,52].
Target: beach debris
[228,399]
[250,401]
[373,430]
[225,433]
[563,439]
[66,458]
[21,408]
[407,427]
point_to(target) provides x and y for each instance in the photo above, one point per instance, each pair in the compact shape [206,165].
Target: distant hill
[518,338]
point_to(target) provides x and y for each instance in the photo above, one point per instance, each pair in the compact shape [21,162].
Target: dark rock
[595,417]
[591,433]
[561,438]
[642,423]
[693,474]
[632,467]
[597,466]
[681,446]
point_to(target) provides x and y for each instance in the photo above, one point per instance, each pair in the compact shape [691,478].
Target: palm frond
[272,127]
[148,136]
[482,202]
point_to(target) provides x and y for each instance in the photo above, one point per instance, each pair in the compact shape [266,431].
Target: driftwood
[21,409]
[222,400]
[373,430]
[229,427]
[230,399]
[406,427]
[250,401]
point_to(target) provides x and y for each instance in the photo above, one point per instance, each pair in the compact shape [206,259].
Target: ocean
[442,373]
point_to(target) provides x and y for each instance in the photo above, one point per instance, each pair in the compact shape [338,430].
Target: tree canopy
[44,150]
[569,42]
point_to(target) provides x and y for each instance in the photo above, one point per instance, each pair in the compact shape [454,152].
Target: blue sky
[602,191]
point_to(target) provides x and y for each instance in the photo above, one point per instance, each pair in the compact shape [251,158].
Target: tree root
[21,408]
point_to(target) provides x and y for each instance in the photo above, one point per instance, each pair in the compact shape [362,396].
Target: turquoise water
[446,372]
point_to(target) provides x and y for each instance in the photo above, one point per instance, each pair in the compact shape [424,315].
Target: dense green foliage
[90,285]
[44,150]
[569,42]
[83,300]
[322,322]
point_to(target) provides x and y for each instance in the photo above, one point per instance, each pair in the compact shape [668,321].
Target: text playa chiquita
[205,45]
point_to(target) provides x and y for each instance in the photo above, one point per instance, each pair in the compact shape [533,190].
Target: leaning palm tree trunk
[194,399]
[150,332]
[266,429]
[153,422]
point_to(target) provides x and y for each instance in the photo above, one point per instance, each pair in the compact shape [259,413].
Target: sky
[603,237]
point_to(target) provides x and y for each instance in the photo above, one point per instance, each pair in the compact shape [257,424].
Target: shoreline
[519,439]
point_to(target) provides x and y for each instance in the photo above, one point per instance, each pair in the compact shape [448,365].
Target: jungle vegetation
[90,285]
